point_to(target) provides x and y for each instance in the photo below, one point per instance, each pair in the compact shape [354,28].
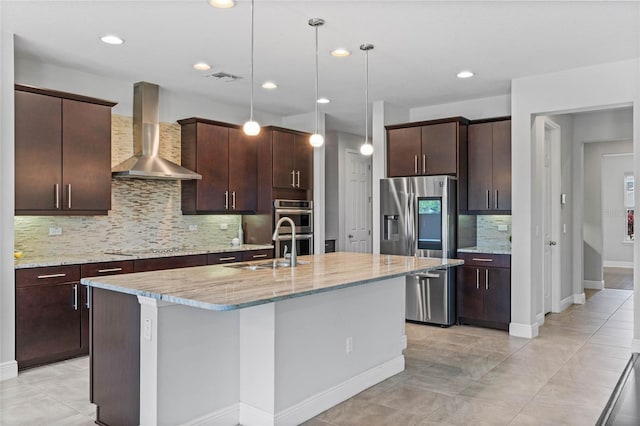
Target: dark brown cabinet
[174,262]
[426,148]
[292,160]
[227,160]
[62,153]
[47,315]
[489,167]
[484,290]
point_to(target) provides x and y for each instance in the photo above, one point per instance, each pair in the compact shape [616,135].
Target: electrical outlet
[193,227]
[55,231]
[349,345]
[503,228]
[146,332]
[224,226]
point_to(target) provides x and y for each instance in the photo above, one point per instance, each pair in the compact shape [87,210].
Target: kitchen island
[251,345]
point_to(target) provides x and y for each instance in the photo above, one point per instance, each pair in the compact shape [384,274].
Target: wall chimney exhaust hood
[146,162]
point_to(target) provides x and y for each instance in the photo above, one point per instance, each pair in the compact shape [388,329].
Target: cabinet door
[469,293]
[86,156]
[303,162]
[403,152]
[38,152]
[479,177]
[283,159]
[497,295]
[174,262]
[439,149]
[502,165]
[212,157]
[47,321]
[243,181]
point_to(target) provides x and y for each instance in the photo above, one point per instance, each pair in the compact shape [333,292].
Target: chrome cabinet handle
[57,195]
[424,164]
[224,259]
[488,196]
[481,259]
[42,277]
[477,279]
[87,304]
[259,256]
[293,178]
[415,164]
[226,200]
[233,200]
[75,297]
[486,279]
[428,299]
[496,200]
[102,271]
[298,173]
[69,196]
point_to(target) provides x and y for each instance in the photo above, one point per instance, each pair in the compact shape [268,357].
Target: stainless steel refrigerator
[418,218]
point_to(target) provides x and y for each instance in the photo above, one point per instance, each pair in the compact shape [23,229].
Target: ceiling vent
[224,77]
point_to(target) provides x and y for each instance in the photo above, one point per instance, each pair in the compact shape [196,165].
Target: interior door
[549,243]
[358,203]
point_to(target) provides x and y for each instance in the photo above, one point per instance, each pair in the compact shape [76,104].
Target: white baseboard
[566,302]
[320,402]
[540,319]
[579,299]
[593,285]
[8,370]
[635,346]
[616,264]
[226,416]
[528,331]
[252,416]
[403,342]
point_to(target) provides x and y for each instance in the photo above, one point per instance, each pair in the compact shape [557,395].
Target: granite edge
[483,250]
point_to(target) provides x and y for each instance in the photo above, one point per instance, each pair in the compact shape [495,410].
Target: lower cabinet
[484,290]
[173,262]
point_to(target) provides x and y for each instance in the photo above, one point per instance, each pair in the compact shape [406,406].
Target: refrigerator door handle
[428,299]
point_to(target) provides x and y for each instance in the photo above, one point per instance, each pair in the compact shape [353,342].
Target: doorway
[357,210]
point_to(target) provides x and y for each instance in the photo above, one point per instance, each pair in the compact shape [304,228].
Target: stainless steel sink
[273,264]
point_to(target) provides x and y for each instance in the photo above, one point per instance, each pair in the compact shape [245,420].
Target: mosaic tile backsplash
[488,234]
[145,214]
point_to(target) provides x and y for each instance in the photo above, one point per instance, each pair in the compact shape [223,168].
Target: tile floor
[456,376]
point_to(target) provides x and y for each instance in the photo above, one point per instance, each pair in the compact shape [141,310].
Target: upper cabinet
[62,153]
[227,160]
[292,160]
[425,148]
[489,167]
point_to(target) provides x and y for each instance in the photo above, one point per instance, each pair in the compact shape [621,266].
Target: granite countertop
[487,250]
[34,261]
[224,287]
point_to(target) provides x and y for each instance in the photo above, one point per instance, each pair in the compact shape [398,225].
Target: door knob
[350,236]
[552,243]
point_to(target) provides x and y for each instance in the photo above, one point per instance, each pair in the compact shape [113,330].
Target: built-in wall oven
[301,212]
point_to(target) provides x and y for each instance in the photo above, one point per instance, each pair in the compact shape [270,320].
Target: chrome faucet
[294,259]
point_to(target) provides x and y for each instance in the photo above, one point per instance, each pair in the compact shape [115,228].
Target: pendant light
[251,128]
[366,148]
[316,140]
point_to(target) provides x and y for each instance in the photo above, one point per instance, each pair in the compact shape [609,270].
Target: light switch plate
[503,228]
[193,227]
[55,231]
[224,226]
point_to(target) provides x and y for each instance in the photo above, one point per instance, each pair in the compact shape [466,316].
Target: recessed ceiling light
[222,4]
[269,85]
[202,66]
[340,53]
[323,101]
[111,39]
[465,74]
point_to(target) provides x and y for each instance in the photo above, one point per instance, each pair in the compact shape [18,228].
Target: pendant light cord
[316,102]
[251,114]
[366,97]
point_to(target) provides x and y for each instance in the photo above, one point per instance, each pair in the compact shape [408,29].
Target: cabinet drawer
[47,275]
[106,268]
[258,254]
[159,263]
[227,257]
[486,260]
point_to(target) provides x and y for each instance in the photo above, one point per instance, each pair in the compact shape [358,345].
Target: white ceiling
[419,46]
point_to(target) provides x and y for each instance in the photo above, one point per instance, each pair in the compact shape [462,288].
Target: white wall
[473,109]
[595,87]
[8,366]
[615,250]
